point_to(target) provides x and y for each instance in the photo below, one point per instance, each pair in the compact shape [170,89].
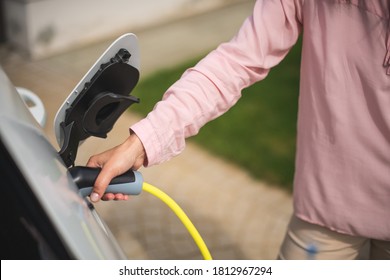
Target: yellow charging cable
[182,216]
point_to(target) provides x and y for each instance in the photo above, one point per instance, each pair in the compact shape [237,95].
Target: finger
[97,161]
[119,196]
[102,181]
[112,196]
[108,196]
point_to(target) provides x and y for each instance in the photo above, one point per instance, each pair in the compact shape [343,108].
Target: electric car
[43,214]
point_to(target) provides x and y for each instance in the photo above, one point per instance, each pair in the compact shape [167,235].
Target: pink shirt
[342,178]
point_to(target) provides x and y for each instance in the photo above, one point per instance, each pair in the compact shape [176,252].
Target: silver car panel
[74,219]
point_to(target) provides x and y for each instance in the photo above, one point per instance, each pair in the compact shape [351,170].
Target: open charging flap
[100,98]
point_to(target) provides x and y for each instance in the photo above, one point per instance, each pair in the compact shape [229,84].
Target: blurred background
[41,28]
[233,179]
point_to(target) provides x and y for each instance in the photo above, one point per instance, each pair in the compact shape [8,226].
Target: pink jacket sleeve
[209,89]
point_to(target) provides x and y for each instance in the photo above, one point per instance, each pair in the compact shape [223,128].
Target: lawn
[259,132]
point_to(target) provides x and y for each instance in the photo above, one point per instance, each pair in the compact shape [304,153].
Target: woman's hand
[114,162]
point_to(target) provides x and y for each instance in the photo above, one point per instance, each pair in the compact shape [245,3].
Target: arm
[210,88]
[214,85]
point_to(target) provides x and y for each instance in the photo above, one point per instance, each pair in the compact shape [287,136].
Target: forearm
[189,104]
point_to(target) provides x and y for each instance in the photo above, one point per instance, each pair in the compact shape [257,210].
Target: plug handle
[129,183]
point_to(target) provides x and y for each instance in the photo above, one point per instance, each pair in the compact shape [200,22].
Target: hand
[114,162]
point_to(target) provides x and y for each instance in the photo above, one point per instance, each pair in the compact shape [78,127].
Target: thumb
[102,181]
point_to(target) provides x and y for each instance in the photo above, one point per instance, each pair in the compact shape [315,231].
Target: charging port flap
[99,99]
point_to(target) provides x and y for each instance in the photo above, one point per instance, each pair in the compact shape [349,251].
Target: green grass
[258,133]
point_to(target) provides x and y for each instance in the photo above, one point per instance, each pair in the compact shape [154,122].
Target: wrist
[137,145]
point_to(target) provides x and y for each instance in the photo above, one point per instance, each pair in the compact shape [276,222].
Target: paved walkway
[238,217]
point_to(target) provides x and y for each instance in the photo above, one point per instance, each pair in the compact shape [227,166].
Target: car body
[43,214]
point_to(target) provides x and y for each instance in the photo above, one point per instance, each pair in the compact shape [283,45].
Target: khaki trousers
[304,240]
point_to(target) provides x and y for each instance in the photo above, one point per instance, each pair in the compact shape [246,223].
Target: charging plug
[129,183]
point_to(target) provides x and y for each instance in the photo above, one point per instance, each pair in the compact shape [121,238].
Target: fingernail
[94,197]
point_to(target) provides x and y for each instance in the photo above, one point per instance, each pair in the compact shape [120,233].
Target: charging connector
[131,183]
